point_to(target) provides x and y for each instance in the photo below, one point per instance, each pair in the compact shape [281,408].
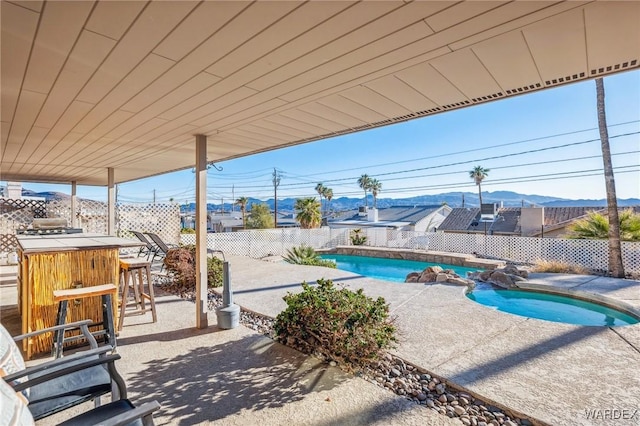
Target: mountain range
[453,199]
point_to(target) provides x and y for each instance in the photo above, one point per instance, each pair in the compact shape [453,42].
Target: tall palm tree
[328,195]
[320,189]
[364,182]
[308,212]
[478,174]
[242,202]
[375,186]
[615,248]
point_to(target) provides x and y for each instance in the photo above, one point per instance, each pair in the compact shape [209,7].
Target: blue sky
[543,143]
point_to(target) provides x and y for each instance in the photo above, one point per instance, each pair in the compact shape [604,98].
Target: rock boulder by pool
[437,274]
[507,277]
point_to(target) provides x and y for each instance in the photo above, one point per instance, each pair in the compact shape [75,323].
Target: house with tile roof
[403,218]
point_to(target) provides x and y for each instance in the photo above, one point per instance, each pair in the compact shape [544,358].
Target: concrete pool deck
[556,373]
[561,374]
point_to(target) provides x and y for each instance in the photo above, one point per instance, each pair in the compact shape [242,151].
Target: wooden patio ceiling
[126,85]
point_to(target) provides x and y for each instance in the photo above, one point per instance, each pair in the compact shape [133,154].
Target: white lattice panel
[161,219]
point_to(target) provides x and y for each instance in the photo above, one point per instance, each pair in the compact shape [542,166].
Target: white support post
[201,233]
[74,204]
[111,202]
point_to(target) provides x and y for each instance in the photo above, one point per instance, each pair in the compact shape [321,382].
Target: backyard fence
[91,216]
[591,254]
[164,220]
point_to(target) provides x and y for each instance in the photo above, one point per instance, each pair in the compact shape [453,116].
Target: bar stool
[129,268]
[106,292]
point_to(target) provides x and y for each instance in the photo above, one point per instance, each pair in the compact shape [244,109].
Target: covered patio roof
[125,85]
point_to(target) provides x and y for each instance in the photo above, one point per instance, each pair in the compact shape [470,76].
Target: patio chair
[163,248]
[148,249]
[58,384]
[121,412]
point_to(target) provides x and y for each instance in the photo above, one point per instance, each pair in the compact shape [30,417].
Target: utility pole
[154,197]
[276,183]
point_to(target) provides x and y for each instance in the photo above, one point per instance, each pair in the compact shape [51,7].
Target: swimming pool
[550,307]
[395,270]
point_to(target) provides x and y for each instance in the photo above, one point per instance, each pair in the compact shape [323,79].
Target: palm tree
[478,174]
[320,189]
[308,212]
[328,195]
[615,248]
[595,226]
[364,182]
[375,186]
[242,202]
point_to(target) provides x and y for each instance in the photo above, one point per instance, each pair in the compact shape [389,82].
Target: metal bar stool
[131,271]
[106,292]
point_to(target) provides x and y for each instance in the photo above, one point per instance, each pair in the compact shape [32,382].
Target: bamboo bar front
[49,266]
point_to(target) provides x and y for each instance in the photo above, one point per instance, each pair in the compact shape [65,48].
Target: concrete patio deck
[557,373]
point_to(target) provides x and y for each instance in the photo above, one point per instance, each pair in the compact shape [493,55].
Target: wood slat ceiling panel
[457,65]
[329,41]
[205,102]
[347,106]
[613,33]
[113,18]
[18,29]
[384,106]
[89,51]
[553,44]
[290,131]
[155,22]
[238,111]
[433,85]
[61,25]
[330,114]
[35,5]
[289,27]
[204,21]
[256,76]
[518,23]
[287,137]
[75,112]
[300,120]
[401,93]
[508,60]
[149,69]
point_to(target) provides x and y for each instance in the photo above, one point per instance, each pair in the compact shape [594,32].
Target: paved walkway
[553,372]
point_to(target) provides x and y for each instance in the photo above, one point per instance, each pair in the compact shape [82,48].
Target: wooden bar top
[70,242]
[77,293]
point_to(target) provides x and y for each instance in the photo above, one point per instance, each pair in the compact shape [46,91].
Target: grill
[49,231]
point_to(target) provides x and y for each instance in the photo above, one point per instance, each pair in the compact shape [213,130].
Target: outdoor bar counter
[63,261]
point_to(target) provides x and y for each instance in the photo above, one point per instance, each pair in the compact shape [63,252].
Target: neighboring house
[550,222]
[404,218]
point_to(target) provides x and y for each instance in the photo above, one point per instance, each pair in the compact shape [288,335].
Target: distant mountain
[453,199]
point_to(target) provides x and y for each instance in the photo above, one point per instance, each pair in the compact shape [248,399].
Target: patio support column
[111,202]
[201,232]
[74,204]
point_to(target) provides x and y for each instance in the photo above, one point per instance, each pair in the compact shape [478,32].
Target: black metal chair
[162,247]
[56,385]
[148,249]
[116,413]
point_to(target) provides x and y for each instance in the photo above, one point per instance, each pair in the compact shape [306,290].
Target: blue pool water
[551,307]
[395,270]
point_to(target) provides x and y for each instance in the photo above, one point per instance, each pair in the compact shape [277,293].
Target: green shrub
[187,231]
[344,326]
[357,239]
[181,262]
[306,255]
